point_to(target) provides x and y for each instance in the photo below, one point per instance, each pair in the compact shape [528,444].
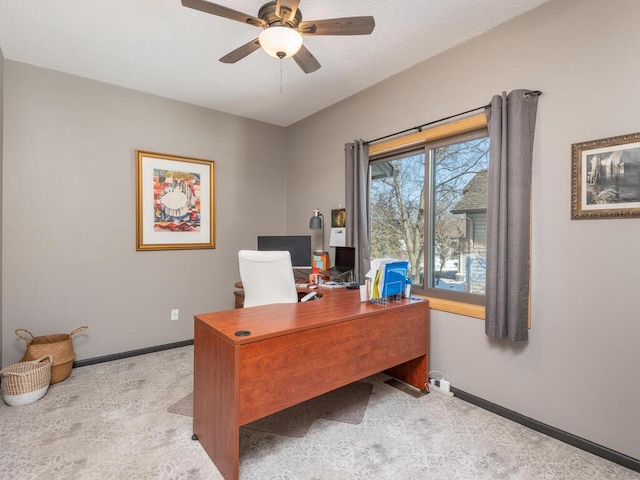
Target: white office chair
[267,277]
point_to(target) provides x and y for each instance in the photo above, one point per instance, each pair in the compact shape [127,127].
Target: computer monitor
[299,246]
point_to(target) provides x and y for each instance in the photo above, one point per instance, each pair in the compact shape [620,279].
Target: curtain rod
[419,128]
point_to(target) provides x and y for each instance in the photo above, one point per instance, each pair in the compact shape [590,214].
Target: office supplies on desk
[395,277]
[364,295]
[308,296]
[334,285]
[388,277]
[407,288]
[319,262]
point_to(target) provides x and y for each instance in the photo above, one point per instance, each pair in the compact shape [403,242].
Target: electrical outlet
[441,386]
[175,314]
[434,388]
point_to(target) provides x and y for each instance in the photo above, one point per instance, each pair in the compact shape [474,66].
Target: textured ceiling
[161,47]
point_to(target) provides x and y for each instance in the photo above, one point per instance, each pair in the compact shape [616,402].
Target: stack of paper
[334,285]
[338,237]
[387,277]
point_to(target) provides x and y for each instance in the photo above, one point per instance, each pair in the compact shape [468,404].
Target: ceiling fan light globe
[280,42]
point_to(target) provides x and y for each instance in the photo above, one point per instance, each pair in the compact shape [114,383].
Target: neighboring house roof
[474,195]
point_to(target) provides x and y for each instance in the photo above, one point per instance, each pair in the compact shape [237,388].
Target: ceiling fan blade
[338,26]
[306,61]
[241,52]
[225,12]
[286,9]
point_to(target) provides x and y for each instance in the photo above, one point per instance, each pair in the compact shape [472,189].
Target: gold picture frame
[605,178]
[175,202]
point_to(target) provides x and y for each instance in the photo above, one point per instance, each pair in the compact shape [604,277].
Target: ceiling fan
[283,28]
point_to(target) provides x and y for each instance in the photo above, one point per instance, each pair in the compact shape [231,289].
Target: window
[429,206]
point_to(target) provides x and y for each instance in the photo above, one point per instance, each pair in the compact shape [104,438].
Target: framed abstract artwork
[605,178]
[175,207]
[338,217]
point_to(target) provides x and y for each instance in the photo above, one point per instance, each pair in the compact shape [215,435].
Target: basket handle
[45,357]
[7,373]
[27,340]
[78,330]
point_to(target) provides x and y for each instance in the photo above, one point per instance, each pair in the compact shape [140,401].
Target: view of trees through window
[439,192]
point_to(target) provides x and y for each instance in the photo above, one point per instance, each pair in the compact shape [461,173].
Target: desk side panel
[413,371]
[215,413]
[279,372]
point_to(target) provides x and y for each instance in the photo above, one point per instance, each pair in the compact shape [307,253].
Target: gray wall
[69,256]
[583,56]
[69,223]
[1,183]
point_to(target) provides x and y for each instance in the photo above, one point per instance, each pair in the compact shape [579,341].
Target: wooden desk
[296,352]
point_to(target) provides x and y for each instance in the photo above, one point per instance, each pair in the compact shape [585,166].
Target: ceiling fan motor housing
[268,14]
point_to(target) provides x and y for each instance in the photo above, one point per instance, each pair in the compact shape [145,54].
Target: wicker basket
[26,382]
[58,345]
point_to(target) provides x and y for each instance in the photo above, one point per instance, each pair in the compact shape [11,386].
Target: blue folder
[395,277]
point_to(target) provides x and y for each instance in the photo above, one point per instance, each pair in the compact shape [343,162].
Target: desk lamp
[320,258]
[317,223]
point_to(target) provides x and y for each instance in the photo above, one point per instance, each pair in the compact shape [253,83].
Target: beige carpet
[347,405]
[109,421]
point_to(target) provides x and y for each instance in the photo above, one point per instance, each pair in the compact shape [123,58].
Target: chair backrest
[267,277]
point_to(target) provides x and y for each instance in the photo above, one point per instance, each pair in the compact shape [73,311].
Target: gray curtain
[511,120]
[357,204]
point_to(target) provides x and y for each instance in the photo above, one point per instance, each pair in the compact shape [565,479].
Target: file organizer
[395,277]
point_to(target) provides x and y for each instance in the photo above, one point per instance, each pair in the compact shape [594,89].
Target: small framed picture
[174,202]
[338,217]
[605,178]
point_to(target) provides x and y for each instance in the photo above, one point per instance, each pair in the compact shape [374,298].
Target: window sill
[459,308]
